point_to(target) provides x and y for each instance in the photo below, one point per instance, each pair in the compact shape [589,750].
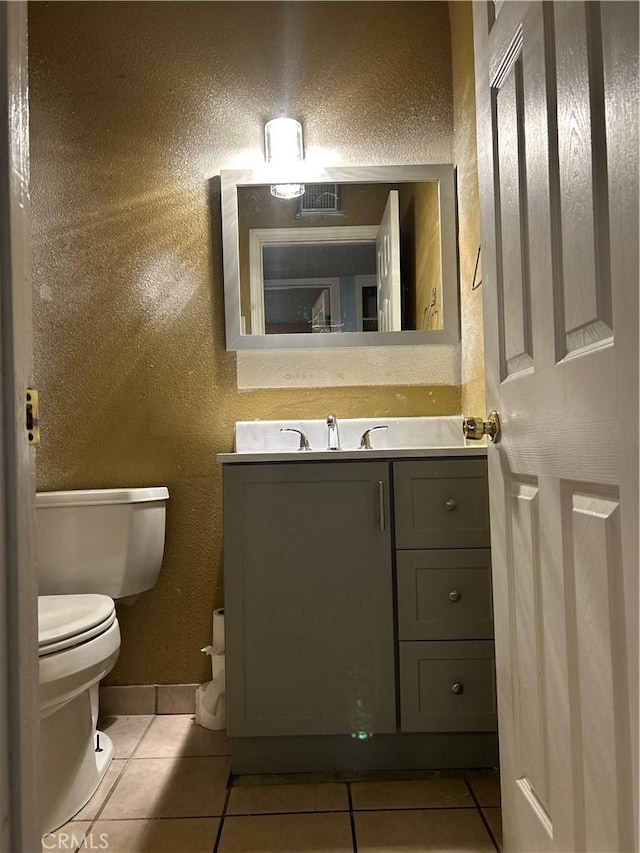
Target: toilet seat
[66,621]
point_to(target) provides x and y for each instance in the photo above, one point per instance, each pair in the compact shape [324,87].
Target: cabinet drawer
[444,595]
[447,687]
[441,504]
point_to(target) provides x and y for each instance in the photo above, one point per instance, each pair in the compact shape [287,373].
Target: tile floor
[168,791]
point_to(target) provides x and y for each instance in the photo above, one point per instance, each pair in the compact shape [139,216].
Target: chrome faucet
[304,441]
[365,441]
[333,436]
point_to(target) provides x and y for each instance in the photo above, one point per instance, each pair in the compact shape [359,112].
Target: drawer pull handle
[450,505]
[457,688]
[381,503]
[454,595]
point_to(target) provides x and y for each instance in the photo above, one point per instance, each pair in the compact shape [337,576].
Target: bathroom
[134,110]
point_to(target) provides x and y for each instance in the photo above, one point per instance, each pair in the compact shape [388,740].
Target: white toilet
[92,546]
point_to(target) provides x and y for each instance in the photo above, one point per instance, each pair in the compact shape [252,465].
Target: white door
[321,313]
[557,96]
[19,701]
[388,266]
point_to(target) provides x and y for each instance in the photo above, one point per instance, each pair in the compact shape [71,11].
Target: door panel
[596,639]
[528,664]
[583,175]
[516,312]
[388,266]
[561,356]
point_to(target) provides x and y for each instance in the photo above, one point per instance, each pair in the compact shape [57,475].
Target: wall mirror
[365,256]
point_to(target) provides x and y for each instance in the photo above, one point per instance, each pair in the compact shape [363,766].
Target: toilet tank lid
[101,496]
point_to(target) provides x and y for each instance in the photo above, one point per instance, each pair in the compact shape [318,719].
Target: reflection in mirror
[351,257]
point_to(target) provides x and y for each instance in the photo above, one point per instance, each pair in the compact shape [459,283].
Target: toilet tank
[106,541]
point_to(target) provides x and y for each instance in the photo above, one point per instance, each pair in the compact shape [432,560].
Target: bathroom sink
[401,434]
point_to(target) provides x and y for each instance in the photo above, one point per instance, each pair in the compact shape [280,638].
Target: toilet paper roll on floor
[211,706]
[218,631]
[217,646]
[211,709]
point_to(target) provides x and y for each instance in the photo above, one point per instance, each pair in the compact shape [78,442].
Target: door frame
[328,283]
[260,237]
[19,697]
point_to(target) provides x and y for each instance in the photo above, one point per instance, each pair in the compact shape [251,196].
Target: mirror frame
[443,174]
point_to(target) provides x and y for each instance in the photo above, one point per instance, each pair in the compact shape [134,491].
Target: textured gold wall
[428,271]
[135,107]
[465,158]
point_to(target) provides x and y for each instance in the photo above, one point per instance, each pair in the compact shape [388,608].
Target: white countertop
[401,438]
[346,455]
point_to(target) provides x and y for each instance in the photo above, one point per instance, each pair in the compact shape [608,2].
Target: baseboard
[134,699]
[346,754]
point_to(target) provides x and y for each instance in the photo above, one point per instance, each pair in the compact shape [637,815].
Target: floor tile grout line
[230,784]
[482,816]
[293,813]
[92,821]
[111,790]
[141,738]
[216,843]
[360,811]
[290,812]
[127,762]
[352,820]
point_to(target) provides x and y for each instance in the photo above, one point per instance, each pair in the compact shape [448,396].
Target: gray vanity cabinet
[309,599]
[445,615]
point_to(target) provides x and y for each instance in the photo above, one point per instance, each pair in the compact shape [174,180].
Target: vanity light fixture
[283,147]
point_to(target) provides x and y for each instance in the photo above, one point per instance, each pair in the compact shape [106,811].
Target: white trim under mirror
[252,301]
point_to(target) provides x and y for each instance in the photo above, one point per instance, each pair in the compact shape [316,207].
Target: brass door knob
[475,428]
[450,505]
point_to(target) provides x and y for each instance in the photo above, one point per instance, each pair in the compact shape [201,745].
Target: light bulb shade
[283,141]
[287,190]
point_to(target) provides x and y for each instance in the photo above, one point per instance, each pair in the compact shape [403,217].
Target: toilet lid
[68,620]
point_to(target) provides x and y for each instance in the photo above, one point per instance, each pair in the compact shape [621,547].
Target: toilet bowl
[89,543]
[79,642]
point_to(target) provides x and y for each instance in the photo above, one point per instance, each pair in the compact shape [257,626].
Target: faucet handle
[304,441]
[365,442]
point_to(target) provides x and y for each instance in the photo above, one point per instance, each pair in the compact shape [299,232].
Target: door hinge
[33,416]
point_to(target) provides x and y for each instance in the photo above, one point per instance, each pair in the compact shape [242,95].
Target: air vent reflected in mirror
[320,200]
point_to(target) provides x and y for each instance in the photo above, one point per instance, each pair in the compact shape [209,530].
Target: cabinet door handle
[454,595]
[457,688]
[381,502]
[450,505]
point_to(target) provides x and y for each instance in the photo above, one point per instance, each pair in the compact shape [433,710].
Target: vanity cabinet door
[441,503]
[308,599]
